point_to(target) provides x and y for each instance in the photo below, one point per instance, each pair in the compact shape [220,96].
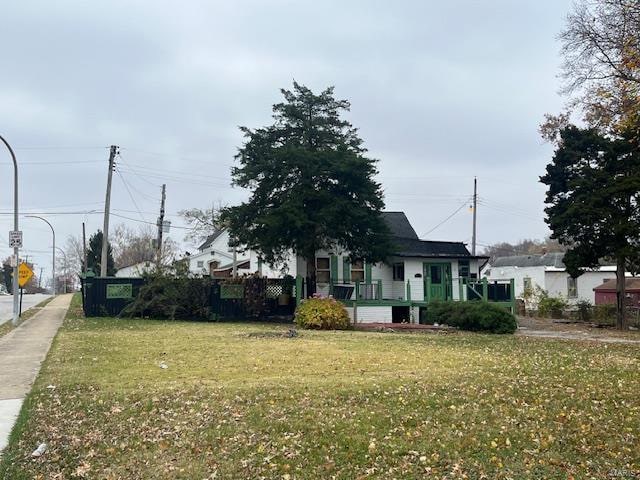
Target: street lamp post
[66,267]
[53,250]
[16,248]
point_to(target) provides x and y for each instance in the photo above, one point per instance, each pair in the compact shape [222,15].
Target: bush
[473,316]
[584,310]
[551,307]
[605,314]
[322,314]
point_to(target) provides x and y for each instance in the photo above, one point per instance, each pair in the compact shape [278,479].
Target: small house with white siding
[548,272]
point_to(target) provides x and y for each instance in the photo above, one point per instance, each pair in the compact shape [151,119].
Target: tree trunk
[311,275]
[621,321]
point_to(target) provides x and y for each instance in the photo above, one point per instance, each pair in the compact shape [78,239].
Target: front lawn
[246,401]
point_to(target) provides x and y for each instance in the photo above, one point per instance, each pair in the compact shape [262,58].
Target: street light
[16,248]
[53,264]
[66,266]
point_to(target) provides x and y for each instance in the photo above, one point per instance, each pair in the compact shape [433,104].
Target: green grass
[6,327]
[242,401]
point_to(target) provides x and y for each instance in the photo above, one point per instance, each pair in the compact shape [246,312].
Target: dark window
[398,271]
[436,274]
[323,270]
[572,287]
[357,271]
[463,268]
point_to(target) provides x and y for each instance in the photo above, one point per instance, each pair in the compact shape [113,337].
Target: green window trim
[346,270]
[334,268]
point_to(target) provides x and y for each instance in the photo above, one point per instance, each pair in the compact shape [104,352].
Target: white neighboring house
[136,270]
[548,272]
[215,258]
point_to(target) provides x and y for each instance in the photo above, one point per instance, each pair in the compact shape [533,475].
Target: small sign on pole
[15,238]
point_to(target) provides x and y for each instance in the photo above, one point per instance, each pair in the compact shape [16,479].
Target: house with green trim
[416,273]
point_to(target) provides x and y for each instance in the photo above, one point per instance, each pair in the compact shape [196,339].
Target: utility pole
[160,226]
[104,258]
[475,208]
[84,250]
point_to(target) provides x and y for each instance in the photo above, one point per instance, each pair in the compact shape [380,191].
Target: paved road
[28,301]
[22,350]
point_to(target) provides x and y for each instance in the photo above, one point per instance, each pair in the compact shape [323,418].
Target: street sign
[24,274]
[15,238]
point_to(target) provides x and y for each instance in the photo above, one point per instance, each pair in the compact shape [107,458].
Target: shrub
[605,314]
[551,307]
[322,314]
[584,310]
[473,316]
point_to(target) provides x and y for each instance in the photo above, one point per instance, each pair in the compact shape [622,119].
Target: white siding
[536,274]
[557,285]
[373,314]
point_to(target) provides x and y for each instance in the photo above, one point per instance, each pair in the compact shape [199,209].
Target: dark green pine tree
[312,187]
[592,196]
[94,255]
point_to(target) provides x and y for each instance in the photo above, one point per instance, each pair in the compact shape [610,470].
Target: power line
[135,204]
[448,218]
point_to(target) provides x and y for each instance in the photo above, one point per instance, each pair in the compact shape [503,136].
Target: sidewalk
[21,352]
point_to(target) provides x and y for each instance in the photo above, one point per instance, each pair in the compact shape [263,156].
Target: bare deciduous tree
[203,222]
[601,69]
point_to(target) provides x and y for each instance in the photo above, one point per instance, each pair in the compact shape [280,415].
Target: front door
[437,281]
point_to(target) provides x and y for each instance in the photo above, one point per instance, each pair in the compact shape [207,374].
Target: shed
[606,293]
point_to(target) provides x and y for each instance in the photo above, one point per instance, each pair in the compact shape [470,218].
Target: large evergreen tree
[312,187]
[94,254]
[593,191]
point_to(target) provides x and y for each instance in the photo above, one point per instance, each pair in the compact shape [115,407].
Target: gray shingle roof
[546,260]
[409,247]
[399,225]
[209,240]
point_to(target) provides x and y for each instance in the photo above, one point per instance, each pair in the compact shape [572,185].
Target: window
[357,271]
[572,287]
[527,283]
[323,270]
[463,268]
[398,271]
[200,263]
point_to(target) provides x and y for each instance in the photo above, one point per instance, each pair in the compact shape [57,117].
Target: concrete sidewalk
[21,352]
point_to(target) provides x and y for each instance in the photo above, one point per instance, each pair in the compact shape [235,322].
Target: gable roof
[210,239]
[631,284]
[546,260]
[399,225]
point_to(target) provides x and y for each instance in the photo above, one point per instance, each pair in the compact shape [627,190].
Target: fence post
[485,289]
[408,298]
[357,289]
[298,289]
[460,293]
[427,289]
[379,290]
[512,291]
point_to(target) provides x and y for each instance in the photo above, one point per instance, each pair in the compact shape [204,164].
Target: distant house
[136,270]
[606,293]
[548,272]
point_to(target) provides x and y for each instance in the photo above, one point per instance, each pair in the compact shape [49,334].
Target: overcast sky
[441,92]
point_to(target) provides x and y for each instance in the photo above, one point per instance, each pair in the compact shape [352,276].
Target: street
[28,301]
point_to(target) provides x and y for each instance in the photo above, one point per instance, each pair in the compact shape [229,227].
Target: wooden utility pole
[475,208]
[160,226]
[104,258]
[84,250]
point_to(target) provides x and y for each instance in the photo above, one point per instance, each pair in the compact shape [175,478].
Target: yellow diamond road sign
[24,274]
